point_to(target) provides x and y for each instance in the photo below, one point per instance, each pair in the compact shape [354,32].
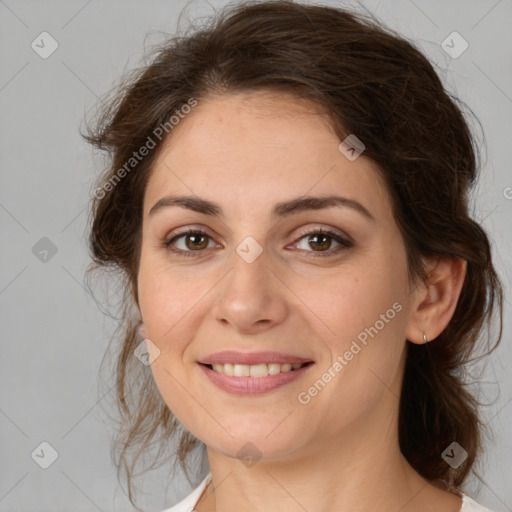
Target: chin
[251,443]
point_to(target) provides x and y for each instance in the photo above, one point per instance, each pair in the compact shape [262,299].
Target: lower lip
[252,385]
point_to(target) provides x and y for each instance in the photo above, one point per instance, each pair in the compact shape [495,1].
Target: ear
[137,316]
[436,300]
[142,330]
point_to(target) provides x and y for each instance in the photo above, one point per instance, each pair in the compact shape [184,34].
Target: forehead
[257,149]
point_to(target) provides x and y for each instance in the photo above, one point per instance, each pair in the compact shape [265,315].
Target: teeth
[242,370]
[258,370]
[274,369]
[255,370]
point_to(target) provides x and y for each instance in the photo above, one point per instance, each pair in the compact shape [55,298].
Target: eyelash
[344,244]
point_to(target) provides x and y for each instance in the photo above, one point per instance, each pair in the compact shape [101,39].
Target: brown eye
[320,241]
[196,241]
[190,241]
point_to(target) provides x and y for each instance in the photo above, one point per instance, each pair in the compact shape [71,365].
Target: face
[325,283]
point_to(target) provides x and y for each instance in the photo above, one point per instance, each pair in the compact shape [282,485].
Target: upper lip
[251,358]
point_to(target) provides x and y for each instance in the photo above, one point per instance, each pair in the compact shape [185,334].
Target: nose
[251,298]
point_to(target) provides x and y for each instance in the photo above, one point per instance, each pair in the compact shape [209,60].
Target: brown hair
[371,82]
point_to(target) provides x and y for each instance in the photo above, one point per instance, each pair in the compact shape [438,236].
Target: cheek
[167,304]
[363,320]
[165,295]
[366,317]
[352,300]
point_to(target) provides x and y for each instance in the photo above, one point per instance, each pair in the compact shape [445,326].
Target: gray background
[53,334]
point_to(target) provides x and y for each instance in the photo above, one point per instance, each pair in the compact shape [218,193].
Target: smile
[255,370]
[242,379]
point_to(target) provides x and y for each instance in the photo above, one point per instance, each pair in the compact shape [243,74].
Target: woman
[287,201]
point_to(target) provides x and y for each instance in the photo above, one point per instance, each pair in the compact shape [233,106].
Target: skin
[247,152]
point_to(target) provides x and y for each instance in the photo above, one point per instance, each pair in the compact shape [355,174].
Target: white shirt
[188,503]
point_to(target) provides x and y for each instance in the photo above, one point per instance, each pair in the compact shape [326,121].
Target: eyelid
[187,229]
[327,231]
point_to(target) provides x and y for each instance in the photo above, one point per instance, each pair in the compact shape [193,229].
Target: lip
[253,385]
[252,358]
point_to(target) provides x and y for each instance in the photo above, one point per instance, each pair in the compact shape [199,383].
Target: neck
[365,473]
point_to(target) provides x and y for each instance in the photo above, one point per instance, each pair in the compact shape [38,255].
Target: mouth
[257,379]
[246,373]
[257,370]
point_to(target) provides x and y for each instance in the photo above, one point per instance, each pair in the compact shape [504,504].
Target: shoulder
[188,503]
[470,505]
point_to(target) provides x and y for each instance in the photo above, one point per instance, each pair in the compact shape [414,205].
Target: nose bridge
[250,267]
[251,295]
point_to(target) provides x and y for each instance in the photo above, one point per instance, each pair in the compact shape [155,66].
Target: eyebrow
[282,209]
